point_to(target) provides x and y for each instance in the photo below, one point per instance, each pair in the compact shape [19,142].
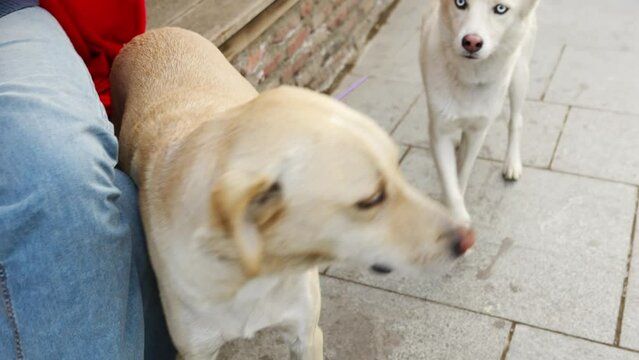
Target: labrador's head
[306,180]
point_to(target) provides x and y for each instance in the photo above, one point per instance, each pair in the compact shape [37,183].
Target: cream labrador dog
[243,195]
[473,53]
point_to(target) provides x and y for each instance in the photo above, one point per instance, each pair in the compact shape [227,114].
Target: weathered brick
[284,30]
[319,37]
[297,41]
[309,71]
[328,9]
[299,62]
[287,75]
[273,83]
[336,21]
[321,12]
[293,67]
[366,5]
[310,44]
[350,24]
[254,59]
[306,8]
[273,65]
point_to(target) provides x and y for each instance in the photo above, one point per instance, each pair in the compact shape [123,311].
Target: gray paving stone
[413,129]
[399,27]
[268,344]
[600,144]
[600,79]
[590,23]
[630,330]
[419,168]
[407,15]
[530,343]
[360,323]
[551,251]
[397,59]
[384,100]
[393,52]
[542,66]
[542,125]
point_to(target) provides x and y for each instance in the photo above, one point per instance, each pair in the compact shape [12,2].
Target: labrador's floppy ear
[242,203]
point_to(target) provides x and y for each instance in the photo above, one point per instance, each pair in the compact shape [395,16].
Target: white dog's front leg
[443,147]
[473,141]
[512,164]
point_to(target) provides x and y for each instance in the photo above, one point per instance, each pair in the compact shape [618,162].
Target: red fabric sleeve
[98,29]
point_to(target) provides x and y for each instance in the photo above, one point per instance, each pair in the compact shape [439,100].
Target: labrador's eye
[274,191]
[501,9]
[372,201]
[461,4]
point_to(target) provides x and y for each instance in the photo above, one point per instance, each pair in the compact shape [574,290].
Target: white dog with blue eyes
[473,54]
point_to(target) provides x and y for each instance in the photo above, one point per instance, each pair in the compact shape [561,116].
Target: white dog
[474,53]
[243,195]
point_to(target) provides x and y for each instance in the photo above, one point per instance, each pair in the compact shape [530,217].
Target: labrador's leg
[307,340]
[308,346]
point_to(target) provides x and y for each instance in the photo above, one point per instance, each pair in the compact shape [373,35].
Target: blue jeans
[75,280]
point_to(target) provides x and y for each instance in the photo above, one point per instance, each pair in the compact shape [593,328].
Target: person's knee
[61,180]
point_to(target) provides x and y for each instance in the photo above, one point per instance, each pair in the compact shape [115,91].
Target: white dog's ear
[244,204]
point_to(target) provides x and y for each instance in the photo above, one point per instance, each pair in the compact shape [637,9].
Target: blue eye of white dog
[500,9]
[461,4]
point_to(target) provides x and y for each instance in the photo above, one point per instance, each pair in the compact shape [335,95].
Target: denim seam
[6,299]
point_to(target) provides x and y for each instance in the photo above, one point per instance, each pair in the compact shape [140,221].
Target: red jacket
[98,29]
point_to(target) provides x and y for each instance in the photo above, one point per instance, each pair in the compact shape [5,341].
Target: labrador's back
[170,71]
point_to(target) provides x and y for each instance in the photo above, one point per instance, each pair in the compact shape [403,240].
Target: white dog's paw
[462,216]
[512,169]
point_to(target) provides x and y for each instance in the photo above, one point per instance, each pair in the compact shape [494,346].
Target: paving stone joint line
[624,292]
[509,340]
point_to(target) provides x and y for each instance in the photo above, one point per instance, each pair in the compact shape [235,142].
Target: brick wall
[311,44]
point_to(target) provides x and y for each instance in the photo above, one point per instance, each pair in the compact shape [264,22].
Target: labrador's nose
[472,43]
[462,240]
[382,269]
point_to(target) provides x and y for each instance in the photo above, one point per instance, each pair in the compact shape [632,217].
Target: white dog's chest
[464,108]
[462,97]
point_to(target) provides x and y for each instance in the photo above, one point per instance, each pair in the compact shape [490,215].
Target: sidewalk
[552,275]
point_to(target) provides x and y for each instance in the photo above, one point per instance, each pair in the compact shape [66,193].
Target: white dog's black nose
[472,43]
[381,269]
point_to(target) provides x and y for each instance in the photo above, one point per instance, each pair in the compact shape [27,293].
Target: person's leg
[157,342]
[71,247]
